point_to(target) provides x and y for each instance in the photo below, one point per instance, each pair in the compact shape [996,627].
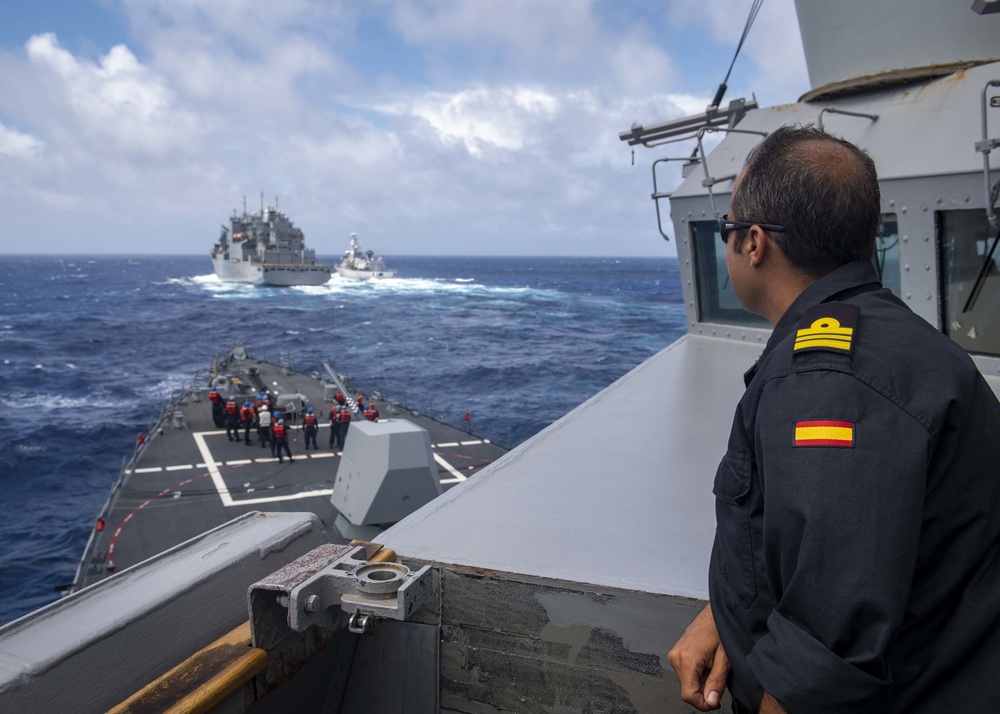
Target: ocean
[91,347]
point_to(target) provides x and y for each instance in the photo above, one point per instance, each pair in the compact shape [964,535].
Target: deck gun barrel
[352,404]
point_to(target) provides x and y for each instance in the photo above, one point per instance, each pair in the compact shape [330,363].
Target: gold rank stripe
[824,432]
[825,332]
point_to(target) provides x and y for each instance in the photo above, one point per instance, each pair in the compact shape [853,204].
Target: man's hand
[701,663]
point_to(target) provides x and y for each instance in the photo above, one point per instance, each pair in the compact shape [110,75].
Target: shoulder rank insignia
[828,327]
[824,432]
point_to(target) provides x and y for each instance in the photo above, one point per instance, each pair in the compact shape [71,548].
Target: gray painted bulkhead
[923,144]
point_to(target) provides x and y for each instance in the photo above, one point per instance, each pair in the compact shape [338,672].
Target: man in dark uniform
[856,565]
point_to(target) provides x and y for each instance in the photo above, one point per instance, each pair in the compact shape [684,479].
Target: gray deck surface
[169,495]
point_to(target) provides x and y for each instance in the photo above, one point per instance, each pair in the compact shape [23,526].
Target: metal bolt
[311,603]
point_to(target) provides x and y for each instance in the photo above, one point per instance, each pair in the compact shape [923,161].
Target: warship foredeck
[188,476]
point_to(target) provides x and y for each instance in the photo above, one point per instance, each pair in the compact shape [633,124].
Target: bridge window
[887,253]
[716,299]
[970,280]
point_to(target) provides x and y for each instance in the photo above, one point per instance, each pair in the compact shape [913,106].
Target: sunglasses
[727,226]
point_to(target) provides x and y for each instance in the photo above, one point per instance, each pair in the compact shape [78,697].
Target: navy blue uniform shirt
[856,565]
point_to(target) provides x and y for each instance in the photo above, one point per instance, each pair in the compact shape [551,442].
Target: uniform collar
[843,282]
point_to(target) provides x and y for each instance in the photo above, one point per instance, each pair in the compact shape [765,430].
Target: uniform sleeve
[842,470]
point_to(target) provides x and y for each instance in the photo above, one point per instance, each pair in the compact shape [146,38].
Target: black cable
[754,9]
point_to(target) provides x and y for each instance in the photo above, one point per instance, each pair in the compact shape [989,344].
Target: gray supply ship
[558,577]
[266,248]
[362,265]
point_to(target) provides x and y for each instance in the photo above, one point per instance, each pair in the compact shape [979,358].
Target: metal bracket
[353,585]
[294,611]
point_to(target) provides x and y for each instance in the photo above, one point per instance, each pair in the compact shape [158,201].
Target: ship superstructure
[357,264]
[558,578]
[266,248]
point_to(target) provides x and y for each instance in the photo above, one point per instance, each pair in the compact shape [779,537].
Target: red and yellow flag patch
[824,432]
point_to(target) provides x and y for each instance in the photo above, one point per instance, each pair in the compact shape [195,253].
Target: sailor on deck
[264,426]
[309,420]
[218,408]
[343,423]
[334,428]
[281,440]
[232,419]
[246,418]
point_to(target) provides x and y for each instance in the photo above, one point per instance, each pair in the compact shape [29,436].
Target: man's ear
[757,246]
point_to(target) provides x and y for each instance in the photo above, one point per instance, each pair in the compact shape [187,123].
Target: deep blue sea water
[90,348]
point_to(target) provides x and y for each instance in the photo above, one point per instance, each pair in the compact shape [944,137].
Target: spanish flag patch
[824,432]
[829,327]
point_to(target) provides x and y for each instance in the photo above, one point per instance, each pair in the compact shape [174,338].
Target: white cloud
[117,101]
[19,146]
[503,117]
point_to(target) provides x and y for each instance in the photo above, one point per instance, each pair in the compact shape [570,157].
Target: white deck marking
[182,467]
[290,497]
[472,443]
[151,470]
[448,445]
[321,456]
[450,469]
[241,462]
[213,470]
[220,484]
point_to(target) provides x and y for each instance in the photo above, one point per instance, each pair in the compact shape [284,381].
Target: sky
[427,127]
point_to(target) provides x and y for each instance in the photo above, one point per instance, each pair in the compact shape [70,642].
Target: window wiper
[984,270]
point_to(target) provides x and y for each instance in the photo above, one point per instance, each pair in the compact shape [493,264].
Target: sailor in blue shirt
[856,565]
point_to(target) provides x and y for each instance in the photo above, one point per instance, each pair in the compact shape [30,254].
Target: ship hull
[275,275]
[365,274]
